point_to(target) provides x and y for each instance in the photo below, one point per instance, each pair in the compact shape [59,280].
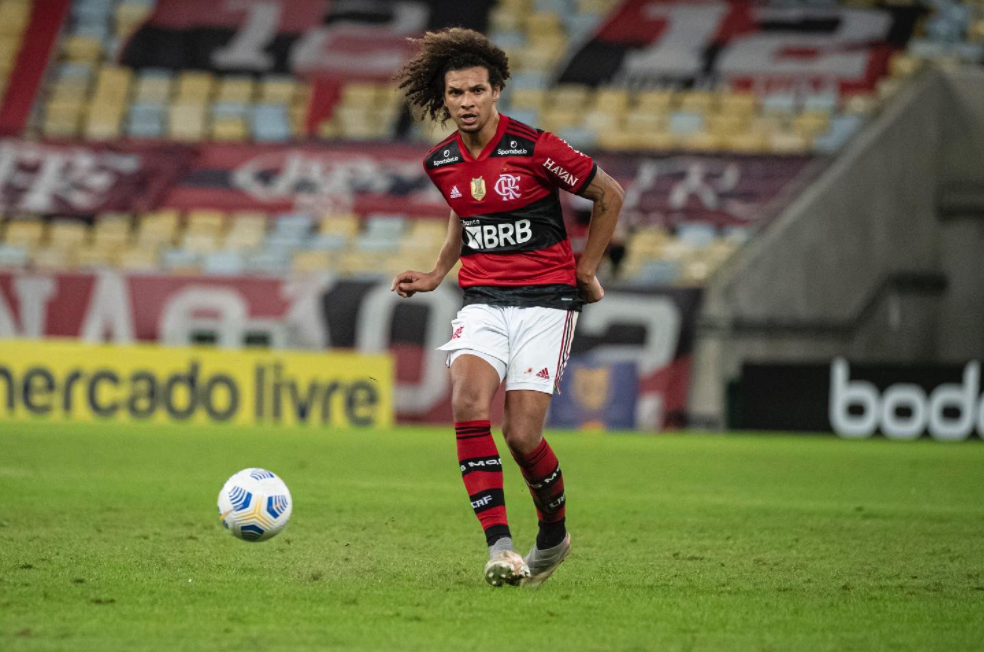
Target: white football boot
[542,563]
[506,567]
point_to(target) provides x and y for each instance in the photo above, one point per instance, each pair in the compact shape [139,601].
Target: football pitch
[110,540]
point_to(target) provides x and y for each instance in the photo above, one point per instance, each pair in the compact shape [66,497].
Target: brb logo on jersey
[491,236]
[508,186]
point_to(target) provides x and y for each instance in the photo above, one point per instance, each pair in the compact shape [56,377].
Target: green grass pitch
[110,540]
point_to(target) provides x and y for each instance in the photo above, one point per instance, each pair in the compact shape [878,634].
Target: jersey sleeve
[562,166]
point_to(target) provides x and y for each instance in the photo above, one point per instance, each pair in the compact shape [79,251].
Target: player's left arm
[607,195]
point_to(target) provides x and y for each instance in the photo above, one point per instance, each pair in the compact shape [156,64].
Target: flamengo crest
[508,186]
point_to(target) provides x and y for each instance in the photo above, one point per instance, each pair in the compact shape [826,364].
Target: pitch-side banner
[55,179]
[349,39]
[73,381]
[760,44]
[653,329]
[856,401]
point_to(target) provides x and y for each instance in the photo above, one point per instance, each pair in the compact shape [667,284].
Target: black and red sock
[481,470]
[546,482]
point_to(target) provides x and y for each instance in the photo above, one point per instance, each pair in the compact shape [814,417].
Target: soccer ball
[255,505]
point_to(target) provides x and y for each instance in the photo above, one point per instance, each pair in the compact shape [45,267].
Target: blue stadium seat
[579,137]
[685,122]
[530,79]
[328,242]
[178,258]
[524,116]
[580,25]
[224,262]
[826,102]
[271,261]
[98,30]
[382,233]
[12,256]
[270,123]
[146,121]
[842,127]
[229,110]
[508,40]
[73,71]
[293,224]
[657,272]
[779,103]
[696,234]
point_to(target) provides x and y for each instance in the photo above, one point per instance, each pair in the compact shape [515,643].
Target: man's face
[469,98]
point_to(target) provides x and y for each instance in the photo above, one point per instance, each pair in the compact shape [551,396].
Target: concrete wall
[861,264]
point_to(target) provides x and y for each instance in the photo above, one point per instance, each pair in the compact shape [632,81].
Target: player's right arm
[410,282]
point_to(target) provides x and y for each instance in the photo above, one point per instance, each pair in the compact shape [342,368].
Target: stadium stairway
[878,260]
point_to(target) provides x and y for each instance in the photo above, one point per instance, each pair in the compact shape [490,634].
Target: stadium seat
[194,88]
[146,120]
[223,262]
[328,242]
[660,101]
[779,103]
[274,262]
[656,272]
[382,233]
[205,221]
[181,261]
[696,234]
[96,257]
[277,90]
[13,256]
[53,258]
[311,261]
[683,123]
[139,259]
[187,122]
[343,225]
[67,234]
[236,89]
[199,242]
[246,231]
[82,49]
[111,231]
[841,129]
[153,86]
[579,137]
[270,123]
[24,232]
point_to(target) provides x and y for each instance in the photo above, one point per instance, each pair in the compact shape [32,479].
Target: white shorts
[528,347]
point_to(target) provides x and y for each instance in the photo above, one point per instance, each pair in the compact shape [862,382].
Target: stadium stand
[91,95]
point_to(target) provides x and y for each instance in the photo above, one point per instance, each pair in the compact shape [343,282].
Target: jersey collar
[487,150]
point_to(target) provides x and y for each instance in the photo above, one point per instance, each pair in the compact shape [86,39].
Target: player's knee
[469,404]
[521,438]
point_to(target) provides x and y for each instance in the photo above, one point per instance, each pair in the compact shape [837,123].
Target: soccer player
[523,290]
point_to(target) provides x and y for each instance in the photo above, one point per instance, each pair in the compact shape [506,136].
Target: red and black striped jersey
[515,250]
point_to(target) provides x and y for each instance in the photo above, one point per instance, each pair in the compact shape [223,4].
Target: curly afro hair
[422,78]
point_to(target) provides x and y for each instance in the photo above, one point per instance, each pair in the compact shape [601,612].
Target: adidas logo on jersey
[455,193]
[544,374]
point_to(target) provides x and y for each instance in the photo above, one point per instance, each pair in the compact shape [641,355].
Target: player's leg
[477,353]
[540,340]
[525,413]
[474,381]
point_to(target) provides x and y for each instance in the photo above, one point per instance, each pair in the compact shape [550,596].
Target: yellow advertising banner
[70,381]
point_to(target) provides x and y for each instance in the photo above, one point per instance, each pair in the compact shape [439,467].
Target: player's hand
[411,282]
[591,290]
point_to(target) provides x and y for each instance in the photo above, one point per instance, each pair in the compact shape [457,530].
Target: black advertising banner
[857,401]
[744,44]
